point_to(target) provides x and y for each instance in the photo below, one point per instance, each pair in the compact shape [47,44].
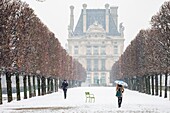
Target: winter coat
[119,90]
[64,85]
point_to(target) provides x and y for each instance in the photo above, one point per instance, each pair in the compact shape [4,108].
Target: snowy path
[106,102]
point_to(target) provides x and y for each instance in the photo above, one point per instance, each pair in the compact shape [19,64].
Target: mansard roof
[98,15]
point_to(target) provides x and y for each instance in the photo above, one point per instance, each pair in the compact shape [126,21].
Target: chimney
[71,18]
[84,17]
[107,17]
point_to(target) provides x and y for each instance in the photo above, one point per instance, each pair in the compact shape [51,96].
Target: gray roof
[99,16]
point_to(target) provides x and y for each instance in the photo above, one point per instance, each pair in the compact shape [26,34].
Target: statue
[121,29]
[95,23]
[70,32]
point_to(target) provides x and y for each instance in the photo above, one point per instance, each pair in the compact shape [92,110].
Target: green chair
[89,97]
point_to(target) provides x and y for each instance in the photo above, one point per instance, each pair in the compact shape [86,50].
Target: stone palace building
[96,42]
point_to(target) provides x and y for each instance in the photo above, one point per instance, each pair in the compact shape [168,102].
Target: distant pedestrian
[119,94]
[64,87]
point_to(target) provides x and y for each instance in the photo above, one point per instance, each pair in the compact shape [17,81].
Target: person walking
[64,87]
[119,94]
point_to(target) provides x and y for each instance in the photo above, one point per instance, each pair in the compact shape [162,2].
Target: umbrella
[120,82]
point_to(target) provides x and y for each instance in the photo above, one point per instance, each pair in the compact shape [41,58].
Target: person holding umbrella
[119,91]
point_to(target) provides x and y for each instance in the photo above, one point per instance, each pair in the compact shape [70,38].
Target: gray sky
[135,14]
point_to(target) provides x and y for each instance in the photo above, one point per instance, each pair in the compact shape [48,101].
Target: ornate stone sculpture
[121,29]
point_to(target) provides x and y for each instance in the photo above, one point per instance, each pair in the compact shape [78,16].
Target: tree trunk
[169,92]
[29,87]
[9,86]
[73,83]
[169,88]
[0,91]
[38,82]
[48,85]
[69,84]
[152,78]
[160,85]
[140,84]
[149,91]
[137,84]
[143,85]
[55,84]
[60,82]
[18,87]
[25,86]
[43,85]
[80,83]
[34,86]
[130,83]
[156,84]
[52,88]
[146,84]
[166,87]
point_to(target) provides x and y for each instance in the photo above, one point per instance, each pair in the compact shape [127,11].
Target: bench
[89,97]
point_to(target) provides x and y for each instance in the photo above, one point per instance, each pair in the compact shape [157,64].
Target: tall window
[88,65]
[96,78]
[115,50]
[89,77]
[76,50]
[95,64]
[95,50]
[103,61]
[88,50]
[103,78]
[103,51]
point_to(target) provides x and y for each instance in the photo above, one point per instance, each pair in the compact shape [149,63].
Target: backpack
[119,93]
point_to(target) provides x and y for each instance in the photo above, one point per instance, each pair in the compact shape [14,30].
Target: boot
[119,105]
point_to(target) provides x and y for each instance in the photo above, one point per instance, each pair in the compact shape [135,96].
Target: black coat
[64,85]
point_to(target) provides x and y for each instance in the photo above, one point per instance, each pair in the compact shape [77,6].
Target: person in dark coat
[64,87]
[119,94]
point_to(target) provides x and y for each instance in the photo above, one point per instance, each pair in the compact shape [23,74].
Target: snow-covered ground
[105,102]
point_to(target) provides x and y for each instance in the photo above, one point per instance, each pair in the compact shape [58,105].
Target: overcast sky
[135,14]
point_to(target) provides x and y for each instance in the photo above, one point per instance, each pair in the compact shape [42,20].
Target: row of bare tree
[28,47]
[147,56]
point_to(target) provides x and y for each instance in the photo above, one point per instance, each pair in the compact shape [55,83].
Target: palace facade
[96,42]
